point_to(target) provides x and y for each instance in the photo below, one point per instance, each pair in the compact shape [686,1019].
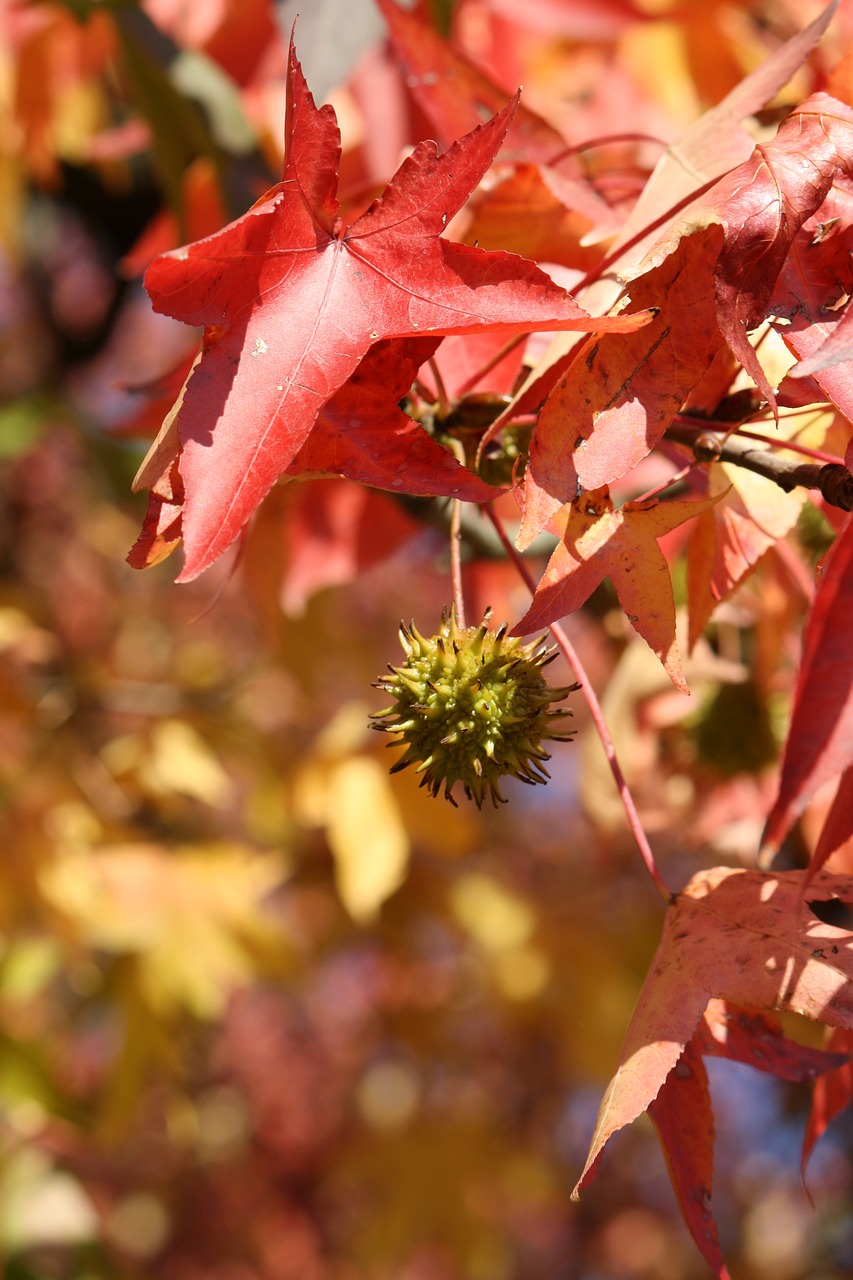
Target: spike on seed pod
[472,706]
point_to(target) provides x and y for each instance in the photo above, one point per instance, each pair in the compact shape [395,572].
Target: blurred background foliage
[265,1012]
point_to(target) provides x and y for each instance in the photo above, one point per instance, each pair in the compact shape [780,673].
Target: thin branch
[833,480]
[793,445]
[567,648]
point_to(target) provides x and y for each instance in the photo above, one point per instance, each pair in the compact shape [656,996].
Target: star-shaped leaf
[597,541]
[291,301]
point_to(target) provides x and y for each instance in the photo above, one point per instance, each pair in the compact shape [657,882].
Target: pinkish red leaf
[810,295]
[334,531]
[622,392]
[757,1039]
[820,739]
[682,1111]
[684,1120]
[761,205]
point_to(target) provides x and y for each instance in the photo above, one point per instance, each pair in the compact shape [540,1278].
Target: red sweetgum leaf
[362,434]
[838,824]
[808,301]
[291,303]
[711,146]
[819,745]
[756,1038]
[597,541]
[713,275]
[741,936]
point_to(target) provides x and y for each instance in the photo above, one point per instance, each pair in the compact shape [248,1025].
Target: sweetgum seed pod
[472,706]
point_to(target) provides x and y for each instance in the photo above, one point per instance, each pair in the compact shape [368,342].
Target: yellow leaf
[366,836]
[188,915]
[497,919]
[181,760]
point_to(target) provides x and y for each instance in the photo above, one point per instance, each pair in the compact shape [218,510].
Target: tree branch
[832,479]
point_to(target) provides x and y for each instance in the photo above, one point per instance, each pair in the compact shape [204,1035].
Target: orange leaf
[598,541]
[730,540]
[623,391]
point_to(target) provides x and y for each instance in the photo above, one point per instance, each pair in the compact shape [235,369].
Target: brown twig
[832,479]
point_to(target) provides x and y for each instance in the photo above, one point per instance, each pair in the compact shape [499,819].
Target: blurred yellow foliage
[190,915]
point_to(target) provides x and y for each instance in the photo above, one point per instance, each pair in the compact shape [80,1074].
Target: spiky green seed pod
[472,706]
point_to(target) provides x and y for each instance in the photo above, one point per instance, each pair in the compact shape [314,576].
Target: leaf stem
[456,562]
[778,443]
[568,650]
[666,484]
[605,140]
[441,391]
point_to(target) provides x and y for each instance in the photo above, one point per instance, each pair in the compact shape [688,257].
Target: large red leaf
[597,540]
[820,740]
[291,302]
[742,936]
[361,433]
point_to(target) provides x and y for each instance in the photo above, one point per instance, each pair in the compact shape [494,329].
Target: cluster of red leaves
[315,329]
